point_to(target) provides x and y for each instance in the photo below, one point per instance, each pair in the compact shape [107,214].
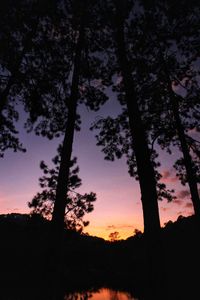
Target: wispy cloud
[110,227]
[165,174]
[164,208]
[180,212]
[184,212]
[189,205]
[178,201]
[183,194]
[192,131]
[169,176]
[119,226]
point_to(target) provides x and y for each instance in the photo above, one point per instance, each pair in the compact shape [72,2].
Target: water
[102,294]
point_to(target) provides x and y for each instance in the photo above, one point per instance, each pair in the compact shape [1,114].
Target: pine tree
[177,87]
[76,205]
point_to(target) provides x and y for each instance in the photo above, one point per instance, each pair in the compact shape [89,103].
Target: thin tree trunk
[191,178]
[192,182]
[63,176]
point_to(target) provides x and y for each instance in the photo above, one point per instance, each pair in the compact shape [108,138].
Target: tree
[9,39]
[136,133]
[114,236]
[177,86]
[81,13]
[129,67]
[76,205]
[115,139]
[62,70]
[57,66]
[19,38]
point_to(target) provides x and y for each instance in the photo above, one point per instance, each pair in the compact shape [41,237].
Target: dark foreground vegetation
[91,262]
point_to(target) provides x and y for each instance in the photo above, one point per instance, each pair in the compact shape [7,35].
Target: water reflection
[102,294]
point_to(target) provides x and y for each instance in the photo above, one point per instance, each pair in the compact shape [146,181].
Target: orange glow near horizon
[105,293]
[112,215]
[103,232]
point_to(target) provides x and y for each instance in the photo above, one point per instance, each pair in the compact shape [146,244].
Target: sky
[118,206]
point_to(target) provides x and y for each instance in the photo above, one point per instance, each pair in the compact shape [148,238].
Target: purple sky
[118,206]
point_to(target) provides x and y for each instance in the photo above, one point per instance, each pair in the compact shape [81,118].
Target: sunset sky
[118,205]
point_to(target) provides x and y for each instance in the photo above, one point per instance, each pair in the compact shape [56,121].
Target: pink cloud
[178,201]
[165,174]
[164,208]
[193,130]
[169,176]
[181,212]
[119,226]
[183,194]
[189,205]
[110,227]
[184,213]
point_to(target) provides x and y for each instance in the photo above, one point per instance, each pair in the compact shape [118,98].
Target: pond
[101,294]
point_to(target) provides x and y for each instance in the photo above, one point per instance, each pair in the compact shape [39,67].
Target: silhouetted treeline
[93,262]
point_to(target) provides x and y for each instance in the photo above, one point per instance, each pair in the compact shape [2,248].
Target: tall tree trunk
[154,277]
[63,176]
[145,168]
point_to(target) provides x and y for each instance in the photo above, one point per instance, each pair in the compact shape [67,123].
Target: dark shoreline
[91,262]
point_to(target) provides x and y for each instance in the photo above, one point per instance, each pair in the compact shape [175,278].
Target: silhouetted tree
[134,130]
[22,25]
[176,85]
[115,139]
[74,76]
[58,62]
[131,71]
[10,40]
[76,205]
[114,236]
[81,86]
